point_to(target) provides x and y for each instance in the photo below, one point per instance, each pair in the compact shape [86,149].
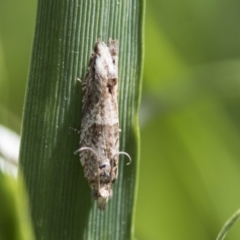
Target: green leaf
[66,31]
[14,215]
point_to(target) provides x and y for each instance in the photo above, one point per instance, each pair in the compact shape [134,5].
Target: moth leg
[111,174]
[82,83]
[79,80]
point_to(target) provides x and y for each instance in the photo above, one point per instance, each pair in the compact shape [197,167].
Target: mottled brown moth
[99,134]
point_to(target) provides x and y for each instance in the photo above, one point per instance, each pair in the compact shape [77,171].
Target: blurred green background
[189,182]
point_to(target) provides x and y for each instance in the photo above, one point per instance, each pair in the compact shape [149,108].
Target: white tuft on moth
[99,134]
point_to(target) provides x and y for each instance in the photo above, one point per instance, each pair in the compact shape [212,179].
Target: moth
[99,133]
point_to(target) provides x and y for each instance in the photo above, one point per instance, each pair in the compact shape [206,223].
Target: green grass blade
[65,33]
[228,225]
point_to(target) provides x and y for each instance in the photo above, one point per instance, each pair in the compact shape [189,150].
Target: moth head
[102,196]
[104,170]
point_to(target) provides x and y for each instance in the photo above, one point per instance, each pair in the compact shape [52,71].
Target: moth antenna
[86,148]
[75,130]
[90,149]
[124,153]
[119,153]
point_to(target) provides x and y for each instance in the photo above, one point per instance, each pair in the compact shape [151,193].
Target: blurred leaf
[16,31]
[14,216]
[162,60]
[9,149]
[190,120]
[202,31]
[59,194]
[228,225]
[190,159]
